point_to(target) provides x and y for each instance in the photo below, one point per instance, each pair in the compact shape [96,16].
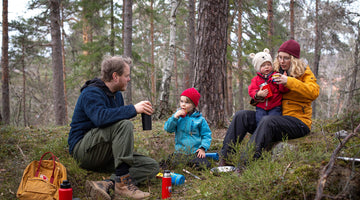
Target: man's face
[121,82]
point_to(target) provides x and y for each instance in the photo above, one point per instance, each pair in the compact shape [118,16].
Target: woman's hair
[297,66]
[111,64]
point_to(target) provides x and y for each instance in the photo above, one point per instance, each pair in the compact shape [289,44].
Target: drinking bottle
[166,185]
[65,191]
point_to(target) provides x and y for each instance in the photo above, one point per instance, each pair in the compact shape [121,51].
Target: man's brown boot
[125,188]
[98,190]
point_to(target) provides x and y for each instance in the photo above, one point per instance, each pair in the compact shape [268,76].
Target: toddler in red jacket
[263,90]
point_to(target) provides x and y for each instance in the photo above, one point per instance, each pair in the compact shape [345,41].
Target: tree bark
[210,63]
[153,72]
[58,82]
[167,70]
[128,43]
[350,101]
[112,31]
[189,74]
[5,65]
[292,19]
[317,51]
[270,19]
[63,59]
[239,64]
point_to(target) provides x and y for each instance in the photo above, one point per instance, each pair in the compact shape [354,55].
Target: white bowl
[218,170]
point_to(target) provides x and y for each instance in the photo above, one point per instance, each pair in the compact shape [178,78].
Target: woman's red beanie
[291,47]
[193,94]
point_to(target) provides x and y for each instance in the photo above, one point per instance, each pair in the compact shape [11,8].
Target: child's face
[186,104]
[266,68]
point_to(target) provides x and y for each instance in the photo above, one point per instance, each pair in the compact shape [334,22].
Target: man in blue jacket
[101,135]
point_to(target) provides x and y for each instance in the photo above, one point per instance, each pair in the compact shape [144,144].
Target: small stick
[186,171]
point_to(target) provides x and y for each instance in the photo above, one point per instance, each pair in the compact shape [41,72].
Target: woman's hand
[200,153]
[280,78]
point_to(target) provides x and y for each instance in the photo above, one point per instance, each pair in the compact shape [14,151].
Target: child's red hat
[193,94]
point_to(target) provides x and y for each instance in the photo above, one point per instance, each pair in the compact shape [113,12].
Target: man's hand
[144,107]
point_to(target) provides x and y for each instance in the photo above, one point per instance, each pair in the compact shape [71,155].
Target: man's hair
[111,64]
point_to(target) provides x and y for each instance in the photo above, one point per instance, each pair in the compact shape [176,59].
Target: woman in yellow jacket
[296,106]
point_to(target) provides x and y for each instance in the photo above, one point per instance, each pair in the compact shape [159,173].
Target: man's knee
[125,124]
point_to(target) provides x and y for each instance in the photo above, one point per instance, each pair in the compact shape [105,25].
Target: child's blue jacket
[191,133]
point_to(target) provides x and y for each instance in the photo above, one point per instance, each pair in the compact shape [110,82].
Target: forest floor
[288,171]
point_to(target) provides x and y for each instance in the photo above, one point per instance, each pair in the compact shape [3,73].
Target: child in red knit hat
[192,133]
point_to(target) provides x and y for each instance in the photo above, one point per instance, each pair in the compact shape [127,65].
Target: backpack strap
[53,157]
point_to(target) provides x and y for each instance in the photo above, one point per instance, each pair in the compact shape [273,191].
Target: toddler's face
[266,68]
[186,104]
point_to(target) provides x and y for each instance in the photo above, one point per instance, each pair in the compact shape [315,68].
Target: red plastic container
[166,185]
[265,86]
[65,191]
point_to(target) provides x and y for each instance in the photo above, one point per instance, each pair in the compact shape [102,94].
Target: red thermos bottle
[65,191]
[166,185]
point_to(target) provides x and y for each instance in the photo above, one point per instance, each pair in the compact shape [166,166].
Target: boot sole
[95,192]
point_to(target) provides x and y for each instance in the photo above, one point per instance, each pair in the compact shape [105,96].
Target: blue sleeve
[98,108]
[171,124]
[205,134]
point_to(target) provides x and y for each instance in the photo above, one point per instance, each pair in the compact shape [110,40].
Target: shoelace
[130,185]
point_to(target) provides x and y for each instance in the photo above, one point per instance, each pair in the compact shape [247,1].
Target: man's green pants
[104,149]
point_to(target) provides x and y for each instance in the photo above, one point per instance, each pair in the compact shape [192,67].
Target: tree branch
[326,171]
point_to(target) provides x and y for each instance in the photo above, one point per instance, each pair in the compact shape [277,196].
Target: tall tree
[292,19]
[210,55]
[354,71]
[128,42]
[63,58]
[57,64]
[317,49]
[239,55]
[167,70]
[153,72]
[189,74]
[112,30]
[5,65]
[270,19]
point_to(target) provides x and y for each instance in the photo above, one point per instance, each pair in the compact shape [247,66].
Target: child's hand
[179,113]
[262,93]
[200,153]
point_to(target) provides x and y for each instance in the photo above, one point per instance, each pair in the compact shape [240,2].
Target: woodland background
[174,45]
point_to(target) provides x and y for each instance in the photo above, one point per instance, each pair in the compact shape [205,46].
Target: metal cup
[146,121]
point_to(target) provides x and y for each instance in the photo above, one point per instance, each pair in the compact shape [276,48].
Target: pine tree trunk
[63,59]
[317,51]
[189,73]
[5,65]
[128,43]
[58,82]
[292,19]
[270,19]
[239,64]
[210,59]
[112,31]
